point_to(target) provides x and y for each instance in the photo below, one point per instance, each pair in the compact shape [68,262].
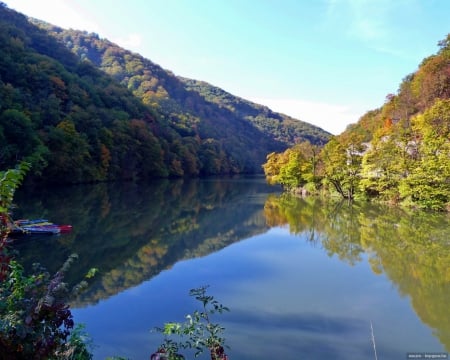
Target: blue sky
[325,62]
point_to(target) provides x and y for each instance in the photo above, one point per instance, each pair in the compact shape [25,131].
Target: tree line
[81,109]
[398,153]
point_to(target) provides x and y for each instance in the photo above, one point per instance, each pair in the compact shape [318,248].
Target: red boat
[40,226]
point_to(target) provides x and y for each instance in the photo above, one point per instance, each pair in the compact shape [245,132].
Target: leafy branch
[201,333]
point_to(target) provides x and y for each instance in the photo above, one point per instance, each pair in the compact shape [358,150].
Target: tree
[428,183]
[17,136]
[70,154]
[291,175]
[388,160]
[342,157]
[293,168]
[311,166]
[273,165]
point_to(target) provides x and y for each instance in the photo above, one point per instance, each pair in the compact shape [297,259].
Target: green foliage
[35,320]
[342,158]
[408,161]
[91,273]
[78,347]
[428,184]
[383,166]
[81,109]
[202,334]
[411,248]
[279,126]
[290,174]
[9,182]
[176,223]
[296,167]
[398,153]
[17,135]
[272,167]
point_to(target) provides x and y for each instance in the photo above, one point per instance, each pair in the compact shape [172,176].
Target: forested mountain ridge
[82,109]
[185,102]
[282,127]
[406,141]
[399,153]
[69,120]
[416,94]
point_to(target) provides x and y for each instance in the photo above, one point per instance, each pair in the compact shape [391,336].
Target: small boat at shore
[38,226]
[40,229]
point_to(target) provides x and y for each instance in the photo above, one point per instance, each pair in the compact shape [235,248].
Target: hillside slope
[192,106]
[280,127]
[82,109]
[398,153]
[175,95]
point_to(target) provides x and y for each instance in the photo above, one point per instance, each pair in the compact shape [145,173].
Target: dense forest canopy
[399,153]
[282,127]
[81,109]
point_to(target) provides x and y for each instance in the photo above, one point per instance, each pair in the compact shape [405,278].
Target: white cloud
[373,22]
[369,20]
[63,13]
[330,117]
[363,19]
[130,42]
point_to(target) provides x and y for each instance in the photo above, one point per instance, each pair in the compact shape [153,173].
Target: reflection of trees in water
[414,251]
[327,223]
[411,248]
[131,232]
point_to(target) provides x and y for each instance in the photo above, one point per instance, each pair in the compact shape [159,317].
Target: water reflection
[131,232]
[411,248]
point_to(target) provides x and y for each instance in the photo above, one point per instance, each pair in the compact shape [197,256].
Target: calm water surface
[304,279]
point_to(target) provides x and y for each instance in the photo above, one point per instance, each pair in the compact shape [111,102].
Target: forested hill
[82,109]
[417,94]
[191,106]
[406,141]
[398,153]
[282,127]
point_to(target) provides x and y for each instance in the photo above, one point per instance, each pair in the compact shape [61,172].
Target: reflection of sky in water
[288,300]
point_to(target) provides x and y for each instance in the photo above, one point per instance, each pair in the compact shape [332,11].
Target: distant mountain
[282,128]
[176,96]
[82,109]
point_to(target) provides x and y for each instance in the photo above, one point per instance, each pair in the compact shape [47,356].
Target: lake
[303,278]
